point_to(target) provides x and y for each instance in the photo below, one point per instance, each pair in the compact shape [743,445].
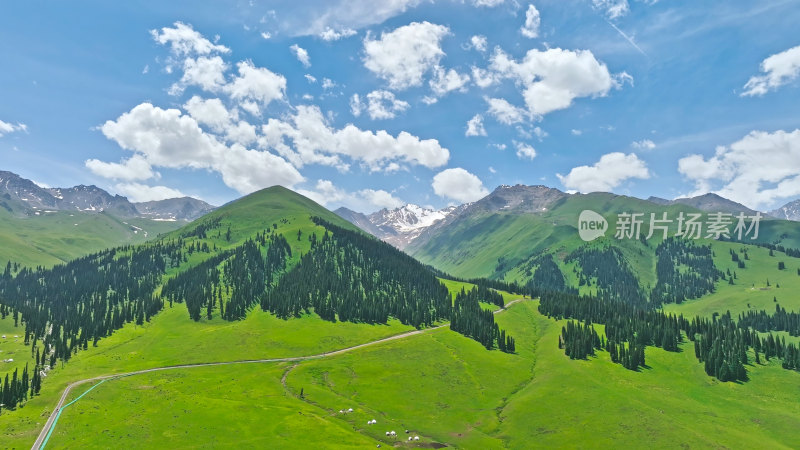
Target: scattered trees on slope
[675,285]
[471,320]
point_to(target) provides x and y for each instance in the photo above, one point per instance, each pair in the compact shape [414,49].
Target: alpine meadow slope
[493,237]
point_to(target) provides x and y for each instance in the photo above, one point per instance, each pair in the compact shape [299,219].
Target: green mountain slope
[59,236]
[496,243]
[253,212]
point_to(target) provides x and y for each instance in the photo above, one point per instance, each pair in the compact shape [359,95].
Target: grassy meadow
[245,406]
[447,389]
[172,338]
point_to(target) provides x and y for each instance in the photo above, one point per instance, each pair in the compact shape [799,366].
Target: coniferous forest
[547,275]
[65,308]
[614,280]
[357,278]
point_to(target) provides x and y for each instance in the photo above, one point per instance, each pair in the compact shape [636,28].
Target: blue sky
[374,104]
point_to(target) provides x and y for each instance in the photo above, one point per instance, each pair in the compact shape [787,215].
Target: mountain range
[46,226]
[23,197]
[431,235]
[411,227]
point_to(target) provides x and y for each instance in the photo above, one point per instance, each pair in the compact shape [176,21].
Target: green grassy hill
[273,205]
[57,237]
[493,244]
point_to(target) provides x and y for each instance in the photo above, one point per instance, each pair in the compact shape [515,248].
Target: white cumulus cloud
[644,144]
[137,192]
[444,81]
[553,78]
[756,170]
[524,151]
[488,3]
[365,200]
[334,35]
[206,72]
[306,138]
[475,126]
[210,112]
[606,174]
[778,70]
[383,105]
[7,127]
[479,43]
[612,8]
[256,84]
[134,168]
[183,40]
[341,15]
[403,56]
[505,112]
[301,54]
[213,114]
[532,22]
[168,138]
[459,185]
[484,78]
[356,106]
[328,84]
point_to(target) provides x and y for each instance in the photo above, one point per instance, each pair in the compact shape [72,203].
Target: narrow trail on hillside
[49,426]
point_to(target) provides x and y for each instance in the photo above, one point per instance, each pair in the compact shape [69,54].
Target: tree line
[65,308]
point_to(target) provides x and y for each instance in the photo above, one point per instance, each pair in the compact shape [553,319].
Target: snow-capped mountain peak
[408,218]
[397,226]
[789,211]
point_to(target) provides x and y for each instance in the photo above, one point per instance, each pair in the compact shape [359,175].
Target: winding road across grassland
[49,426]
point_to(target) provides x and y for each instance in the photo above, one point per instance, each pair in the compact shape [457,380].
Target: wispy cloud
[627,38]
